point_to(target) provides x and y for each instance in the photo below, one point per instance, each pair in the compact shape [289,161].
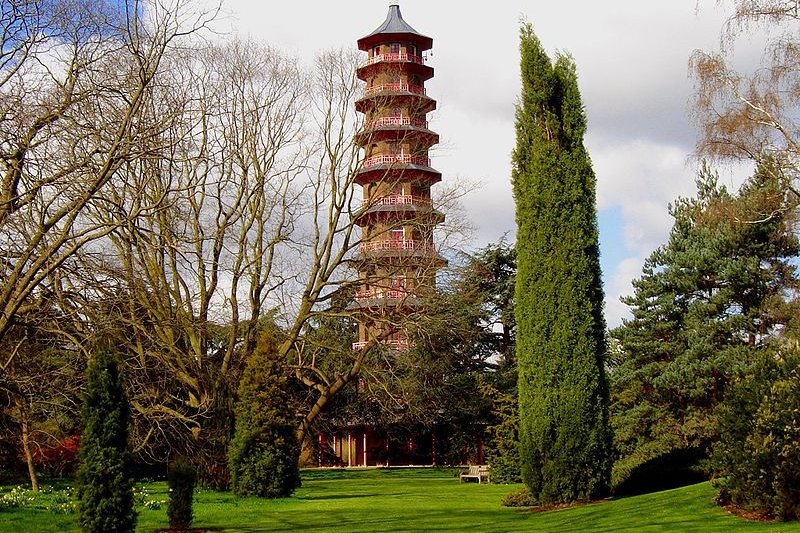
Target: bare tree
[193,279]
[75,79]
[251,167]
[753,116]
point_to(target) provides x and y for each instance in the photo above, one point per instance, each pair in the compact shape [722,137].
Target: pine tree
[104,481]
[563,393]
[707,304]
[264,453]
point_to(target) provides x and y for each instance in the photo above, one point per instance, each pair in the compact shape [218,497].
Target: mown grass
[416,500]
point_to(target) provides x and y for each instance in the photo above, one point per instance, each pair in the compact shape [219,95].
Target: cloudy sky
[633,75]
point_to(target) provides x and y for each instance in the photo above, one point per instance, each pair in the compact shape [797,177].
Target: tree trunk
[26,448]
[323,399]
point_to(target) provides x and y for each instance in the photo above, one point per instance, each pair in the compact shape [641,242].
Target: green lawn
[416,500]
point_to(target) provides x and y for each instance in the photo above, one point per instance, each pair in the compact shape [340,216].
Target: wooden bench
[476,472]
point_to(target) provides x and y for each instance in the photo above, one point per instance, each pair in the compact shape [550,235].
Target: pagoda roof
[394,27]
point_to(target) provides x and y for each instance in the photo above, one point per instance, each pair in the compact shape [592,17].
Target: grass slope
[419,500]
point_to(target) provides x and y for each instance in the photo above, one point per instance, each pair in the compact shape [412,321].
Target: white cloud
[620,285]
[638,179]
[641,177]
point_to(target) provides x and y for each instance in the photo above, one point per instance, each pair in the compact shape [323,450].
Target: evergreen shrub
[104,482]
[181,480]
[264,454]
[756,463]
[502,447]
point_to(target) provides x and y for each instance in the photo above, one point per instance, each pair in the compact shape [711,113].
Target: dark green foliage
[104,481]
[502,448]
[707,303]
[757,460]
[563,394]
[487,283]
[181,479]
[434,387]
[491,273]
[264,453]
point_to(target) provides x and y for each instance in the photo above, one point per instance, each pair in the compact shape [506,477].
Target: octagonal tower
[398,260]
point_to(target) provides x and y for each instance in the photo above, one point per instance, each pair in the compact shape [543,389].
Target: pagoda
[397,260]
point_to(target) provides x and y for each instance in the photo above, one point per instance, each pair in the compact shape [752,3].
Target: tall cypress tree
[565,444]
[104,480]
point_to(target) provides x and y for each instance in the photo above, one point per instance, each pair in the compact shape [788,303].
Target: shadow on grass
[338,497]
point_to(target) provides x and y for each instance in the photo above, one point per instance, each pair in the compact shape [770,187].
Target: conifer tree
[104,480]
[563,393]
[707,305]
[264,453]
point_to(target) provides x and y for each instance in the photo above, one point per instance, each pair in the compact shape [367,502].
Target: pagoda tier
[398,207]
[396,128]
[395,93]
[378,300]
[382,62]
[407,252]
[396,170]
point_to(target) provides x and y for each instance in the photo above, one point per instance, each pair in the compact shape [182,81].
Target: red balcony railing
[394,58]
[396,121]
[411,245]
[398,199]
[394,88]
[391,159]
[369,294]
[397,344]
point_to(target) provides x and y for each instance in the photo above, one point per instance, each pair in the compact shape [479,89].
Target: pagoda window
[412,50]
[394,48]
[376,50]
[394,148]
[398,235]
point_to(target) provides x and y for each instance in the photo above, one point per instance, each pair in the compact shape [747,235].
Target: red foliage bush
[59,459]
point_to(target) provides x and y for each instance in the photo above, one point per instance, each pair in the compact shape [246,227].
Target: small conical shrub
[181,479]
[264,452]
[104,481]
